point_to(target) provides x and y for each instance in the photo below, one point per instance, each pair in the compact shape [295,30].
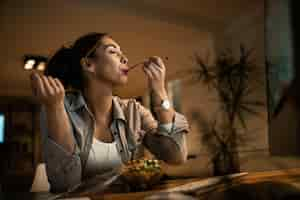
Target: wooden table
[283,182]
[280,177]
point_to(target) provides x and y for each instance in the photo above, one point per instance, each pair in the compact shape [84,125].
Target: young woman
[86,130]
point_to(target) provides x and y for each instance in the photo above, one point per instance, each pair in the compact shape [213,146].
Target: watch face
[165,104]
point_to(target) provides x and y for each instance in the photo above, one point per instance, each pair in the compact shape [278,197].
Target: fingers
[44,86]
[156,63]
[48,86]
[157,60]
[37,84]
[59,84]
[153,69]
[148,72]
[49,91]
[53,85]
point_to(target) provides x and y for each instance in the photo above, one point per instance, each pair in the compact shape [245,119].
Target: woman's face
[109,63]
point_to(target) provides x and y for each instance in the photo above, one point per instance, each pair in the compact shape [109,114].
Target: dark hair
[65,63]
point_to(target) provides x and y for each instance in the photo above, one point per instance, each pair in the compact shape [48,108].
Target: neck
[99,100]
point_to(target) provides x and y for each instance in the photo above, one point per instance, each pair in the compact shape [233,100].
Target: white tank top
[102,157]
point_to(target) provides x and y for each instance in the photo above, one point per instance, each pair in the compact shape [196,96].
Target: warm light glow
[29,64]
[41,66]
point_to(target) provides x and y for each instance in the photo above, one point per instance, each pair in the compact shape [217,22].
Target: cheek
[109,62]
[108,69]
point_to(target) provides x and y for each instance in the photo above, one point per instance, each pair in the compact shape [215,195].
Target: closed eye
[112,52]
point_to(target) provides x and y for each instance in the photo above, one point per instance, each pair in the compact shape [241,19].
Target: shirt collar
[76,101]
[118,112]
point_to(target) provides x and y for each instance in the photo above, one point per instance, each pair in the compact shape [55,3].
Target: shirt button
[121,150]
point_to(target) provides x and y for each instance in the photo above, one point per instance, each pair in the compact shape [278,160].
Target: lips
[125,71]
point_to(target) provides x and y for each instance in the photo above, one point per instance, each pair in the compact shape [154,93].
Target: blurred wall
[41,27]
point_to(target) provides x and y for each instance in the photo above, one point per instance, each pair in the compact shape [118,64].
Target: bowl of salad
[142,174]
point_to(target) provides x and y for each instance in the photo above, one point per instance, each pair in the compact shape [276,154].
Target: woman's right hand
[49,91]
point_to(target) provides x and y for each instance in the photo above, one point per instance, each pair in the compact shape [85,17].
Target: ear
[86,65]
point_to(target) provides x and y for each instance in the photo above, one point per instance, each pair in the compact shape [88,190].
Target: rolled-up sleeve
[63,168]
[165,141]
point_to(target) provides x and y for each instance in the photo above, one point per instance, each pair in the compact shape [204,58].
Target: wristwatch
[165,104]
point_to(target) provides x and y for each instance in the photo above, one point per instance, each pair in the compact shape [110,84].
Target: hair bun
[66,65]
[60,64]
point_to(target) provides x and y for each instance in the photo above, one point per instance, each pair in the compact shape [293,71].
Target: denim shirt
[133,128]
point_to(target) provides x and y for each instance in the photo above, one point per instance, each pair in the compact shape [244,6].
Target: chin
[121,82]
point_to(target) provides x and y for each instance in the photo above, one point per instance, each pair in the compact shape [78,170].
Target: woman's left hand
[156,73]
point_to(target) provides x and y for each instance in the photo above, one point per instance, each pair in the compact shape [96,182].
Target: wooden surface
[289,176]
[254,185]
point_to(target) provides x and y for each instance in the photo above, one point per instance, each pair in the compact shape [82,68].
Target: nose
[124,59]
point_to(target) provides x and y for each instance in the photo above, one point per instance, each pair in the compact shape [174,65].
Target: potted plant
[232,79]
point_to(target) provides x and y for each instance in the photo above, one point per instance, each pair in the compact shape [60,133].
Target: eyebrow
[105,47]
